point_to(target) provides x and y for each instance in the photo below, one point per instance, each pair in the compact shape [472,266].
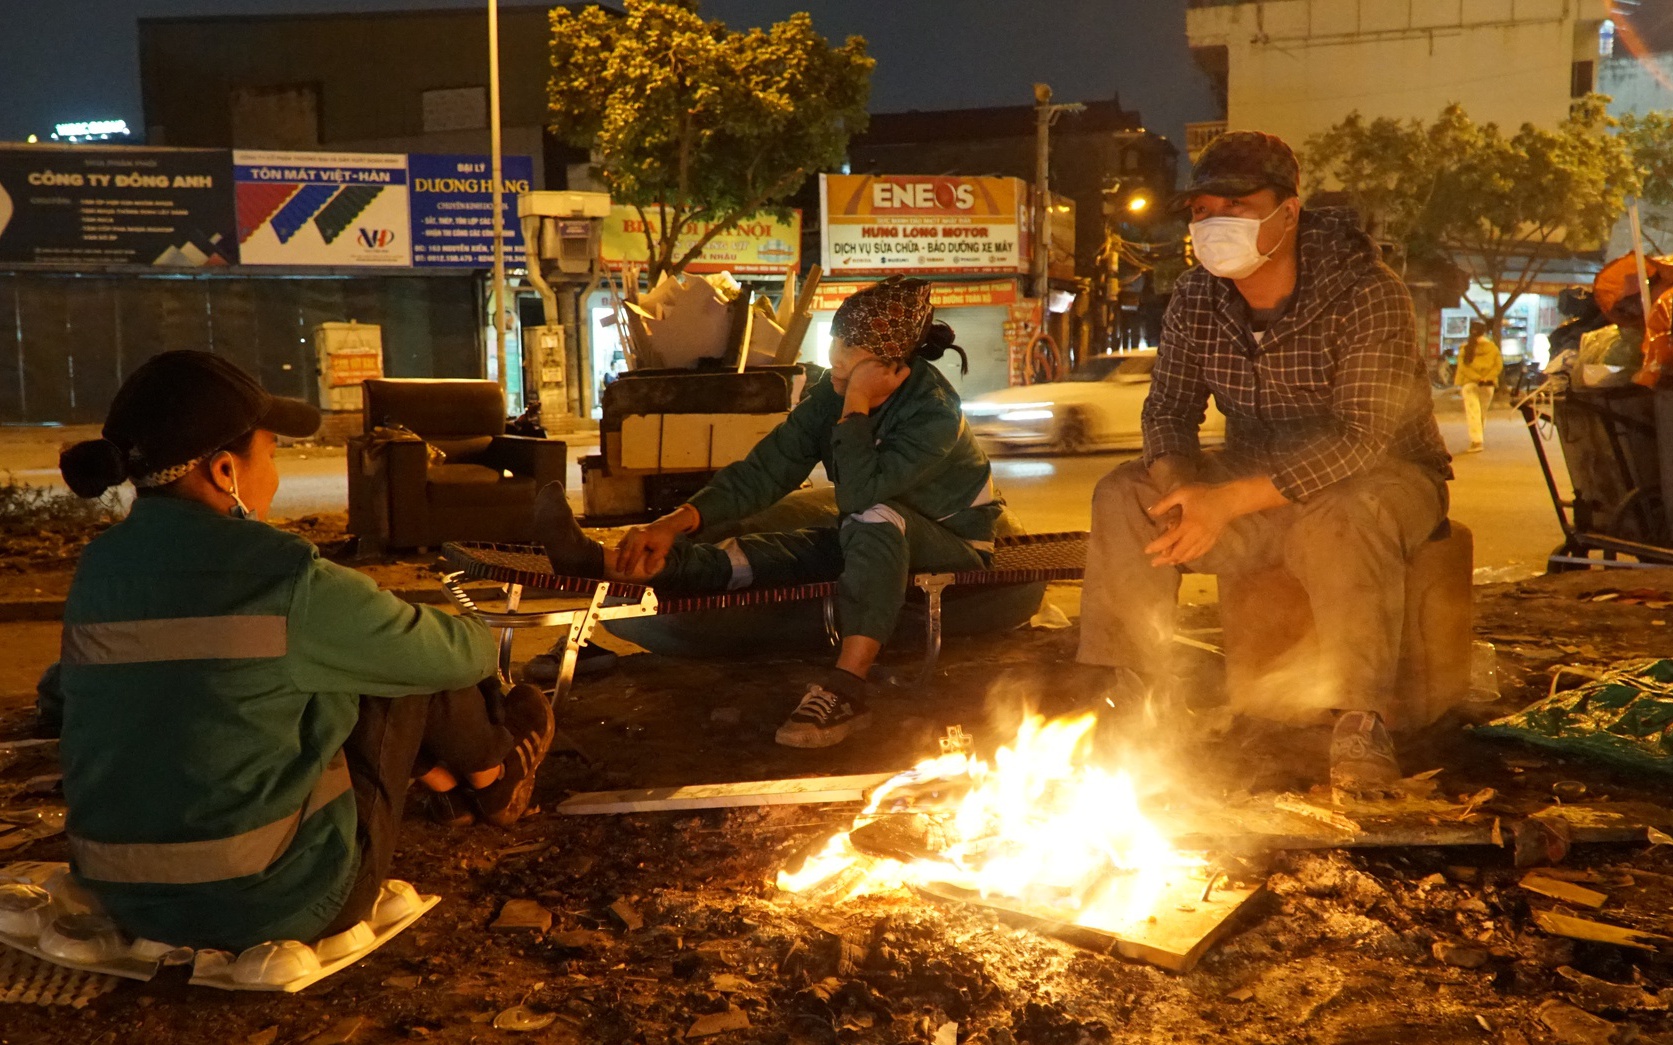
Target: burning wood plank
[1039,832]
[1182,927]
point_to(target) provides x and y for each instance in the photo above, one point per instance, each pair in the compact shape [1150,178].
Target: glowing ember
[1041,826]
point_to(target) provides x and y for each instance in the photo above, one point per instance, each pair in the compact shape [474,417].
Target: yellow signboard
[884,223]
[759,245]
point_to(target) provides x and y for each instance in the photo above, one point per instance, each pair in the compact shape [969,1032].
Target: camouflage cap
[1240,162]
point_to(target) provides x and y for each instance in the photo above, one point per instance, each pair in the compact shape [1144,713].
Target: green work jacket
[915,451]
[211,670]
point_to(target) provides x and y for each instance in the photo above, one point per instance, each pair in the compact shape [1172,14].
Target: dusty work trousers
[397,740]
[870,554]
[1477,397]
[1347,545]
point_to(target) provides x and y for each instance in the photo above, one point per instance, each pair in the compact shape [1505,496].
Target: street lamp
[1138,204]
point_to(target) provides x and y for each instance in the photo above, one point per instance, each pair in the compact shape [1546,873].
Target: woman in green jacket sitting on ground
[240,718]
[914,492]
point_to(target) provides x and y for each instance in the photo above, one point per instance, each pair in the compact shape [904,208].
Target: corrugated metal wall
[67,340]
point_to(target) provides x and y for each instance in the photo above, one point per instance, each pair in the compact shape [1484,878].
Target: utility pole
[497,175]
[1044,115]
[1042,191]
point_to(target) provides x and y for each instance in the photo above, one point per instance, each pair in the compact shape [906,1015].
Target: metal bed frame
[1027,559]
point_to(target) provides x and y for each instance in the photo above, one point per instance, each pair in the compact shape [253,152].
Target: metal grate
[1016,560]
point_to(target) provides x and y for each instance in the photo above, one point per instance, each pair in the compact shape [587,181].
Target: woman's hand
[644,551]
[870,383]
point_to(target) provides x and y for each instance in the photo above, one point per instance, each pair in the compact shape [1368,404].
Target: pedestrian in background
[1477,376]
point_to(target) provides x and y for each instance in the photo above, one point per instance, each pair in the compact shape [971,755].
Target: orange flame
[1041,825]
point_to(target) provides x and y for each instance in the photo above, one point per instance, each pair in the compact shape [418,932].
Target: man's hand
[870,383]
[644,551]
[1204,512]
[1171,471]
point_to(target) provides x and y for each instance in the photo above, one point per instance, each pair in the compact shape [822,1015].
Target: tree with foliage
[1500,208]
[1650,136]
[698,126]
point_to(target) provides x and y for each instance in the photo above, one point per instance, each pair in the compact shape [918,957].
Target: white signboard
[322,208]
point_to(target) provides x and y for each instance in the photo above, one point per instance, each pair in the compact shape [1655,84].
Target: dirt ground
[1342,946]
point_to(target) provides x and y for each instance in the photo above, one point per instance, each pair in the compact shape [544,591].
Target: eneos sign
[900,223]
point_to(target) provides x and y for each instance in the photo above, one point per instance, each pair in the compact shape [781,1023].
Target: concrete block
[1272,652]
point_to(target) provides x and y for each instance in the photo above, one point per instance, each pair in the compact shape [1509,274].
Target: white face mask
[1230,247]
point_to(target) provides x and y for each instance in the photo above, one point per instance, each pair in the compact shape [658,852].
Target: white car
[1096,409]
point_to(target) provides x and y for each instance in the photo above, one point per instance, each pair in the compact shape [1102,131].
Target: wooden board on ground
[1557,889]
[1599,932]
[1182,927]
[796,791]
[1259,824]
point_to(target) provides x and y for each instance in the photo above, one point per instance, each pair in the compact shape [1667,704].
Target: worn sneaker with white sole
[824,718]
[529,718]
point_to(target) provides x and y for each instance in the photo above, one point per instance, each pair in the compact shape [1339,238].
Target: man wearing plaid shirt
[1333,464]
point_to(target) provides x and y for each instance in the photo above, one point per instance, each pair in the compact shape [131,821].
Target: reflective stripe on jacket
[210,672]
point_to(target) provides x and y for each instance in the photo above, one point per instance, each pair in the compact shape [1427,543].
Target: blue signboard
[451,199]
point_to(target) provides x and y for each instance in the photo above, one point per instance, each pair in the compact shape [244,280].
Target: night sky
[930,54]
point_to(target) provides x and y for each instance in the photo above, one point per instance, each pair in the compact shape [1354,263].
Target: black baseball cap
[1240,162]
[179,407]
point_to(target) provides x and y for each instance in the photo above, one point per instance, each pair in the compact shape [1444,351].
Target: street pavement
[1498,493]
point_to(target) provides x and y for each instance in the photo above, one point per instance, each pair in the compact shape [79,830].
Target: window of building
[1585,78]
[1606,39]
[454,109]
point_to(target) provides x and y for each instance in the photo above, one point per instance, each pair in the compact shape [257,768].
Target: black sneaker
[449,808]
[542,669]
[826,716]
[529,719]
[568,548]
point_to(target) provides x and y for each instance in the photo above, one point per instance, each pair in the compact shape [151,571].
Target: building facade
[1296,67]
[1102,147]
[348,85]
[393,81]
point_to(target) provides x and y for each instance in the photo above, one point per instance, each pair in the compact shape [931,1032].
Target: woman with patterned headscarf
[914,493]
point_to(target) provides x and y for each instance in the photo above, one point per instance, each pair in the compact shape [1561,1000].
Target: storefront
[1525,333]
[109,255]
[969,236]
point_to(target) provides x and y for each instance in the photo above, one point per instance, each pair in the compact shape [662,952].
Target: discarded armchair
[433,464]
